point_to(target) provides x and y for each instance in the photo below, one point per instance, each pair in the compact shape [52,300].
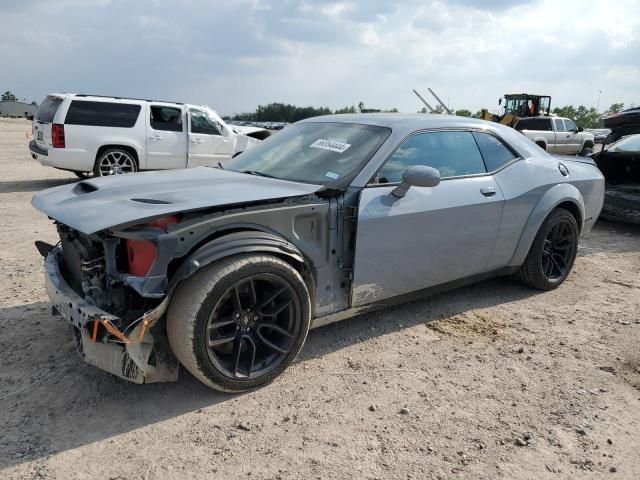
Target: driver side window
[453,154]
[200,123]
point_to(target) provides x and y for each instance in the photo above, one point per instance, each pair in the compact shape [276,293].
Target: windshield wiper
[260,174]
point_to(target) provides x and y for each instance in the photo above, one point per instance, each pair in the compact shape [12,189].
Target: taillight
[57,135]
[141,253]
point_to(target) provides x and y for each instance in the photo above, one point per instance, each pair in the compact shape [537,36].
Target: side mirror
[580,129]
[417,176]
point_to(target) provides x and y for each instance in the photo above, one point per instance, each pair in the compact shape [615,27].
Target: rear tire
[228,325]
[552,253]
[115,161]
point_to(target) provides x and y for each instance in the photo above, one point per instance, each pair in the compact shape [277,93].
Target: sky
[234,55]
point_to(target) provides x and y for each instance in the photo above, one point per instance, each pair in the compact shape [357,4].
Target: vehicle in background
[619,162]
[517,106]
[89,134]
[557,135]
[600,135]
[225,270]
[623,123]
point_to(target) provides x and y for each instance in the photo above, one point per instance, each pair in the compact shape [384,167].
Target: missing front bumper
[143,356]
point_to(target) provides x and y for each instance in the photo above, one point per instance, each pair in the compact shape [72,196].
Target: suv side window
[559,125]
[451,153]
[570,126]
[166,118]
[200,123]
[494,152]
[542,124]
[102,114]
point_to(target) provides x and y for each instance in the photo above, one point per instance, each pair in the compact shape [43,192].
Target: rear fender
[234,244]
[553,197]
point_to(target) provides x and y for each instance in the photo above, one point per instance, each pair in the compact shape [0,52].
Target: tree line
[280,112]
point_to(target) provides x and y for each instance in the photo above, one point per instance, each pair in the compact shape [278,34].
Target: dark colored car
[620,165]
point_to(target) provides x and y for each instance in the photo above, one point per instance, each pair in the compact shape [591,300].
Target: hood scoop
[84,187]
[151,201]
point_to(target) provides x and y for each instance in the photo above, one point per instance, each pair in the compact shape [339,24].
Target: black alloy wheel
[558,250]
[238,323]
[253,326]
[552,253]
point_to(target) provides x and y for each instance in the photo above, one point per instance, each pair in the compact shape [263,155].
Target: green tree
[34,103]
[360,105]
[439,109]
[616,108]
[8,97]
[463,112]
[349,109]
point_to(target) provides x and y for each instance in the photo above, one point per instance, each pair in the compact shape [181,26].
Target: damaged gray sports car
[225,270]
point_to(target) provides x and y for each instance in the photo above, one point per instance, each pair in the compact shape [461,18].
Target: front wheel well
[588,144]
[541,144]
[301,266]
[574,210]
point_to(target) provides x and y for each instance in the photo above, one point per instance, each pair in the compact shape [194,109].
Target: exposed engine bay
[128,341]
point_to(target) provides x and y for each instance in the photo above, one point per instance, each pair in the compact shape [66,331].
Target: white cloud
[235,55]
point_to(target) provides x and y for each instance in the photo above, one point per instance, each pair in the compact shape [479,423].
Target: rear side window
[102,114]
[47,109]
[166,118]
[494,152]
[543,124]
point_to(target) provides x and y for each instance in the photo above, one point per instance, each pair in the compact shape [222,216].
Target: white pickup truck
[557,135]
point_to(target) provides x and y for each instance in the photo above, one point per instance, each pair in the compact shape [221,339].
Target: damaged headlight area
[111,287]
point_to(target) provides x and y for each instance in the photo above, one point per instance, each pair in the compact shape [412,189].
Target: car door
[562,137]
[573,138]
[209,143]
[166,137]
[433,235]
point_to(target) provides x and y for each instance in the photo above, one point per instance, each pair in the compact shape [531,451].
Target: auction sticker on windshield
[331,145]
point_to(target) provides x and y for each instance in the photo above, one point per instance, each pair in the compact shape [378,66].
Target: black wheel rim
[253,326]
[558,251]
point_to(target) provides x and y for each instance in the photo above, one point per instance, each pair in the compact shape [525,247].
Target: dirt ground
[490,381]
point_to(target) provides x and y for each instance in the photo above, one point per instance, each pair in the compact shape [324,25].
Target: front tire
[237,324]
[115,161]
[552,253]
[82,175]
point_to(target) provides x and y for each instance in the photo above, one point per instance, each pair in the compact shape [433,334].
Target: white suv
[107,135]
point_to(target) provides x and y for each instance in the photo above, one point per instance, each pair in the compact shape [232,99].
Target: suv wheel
[114,161]
[237,324]
[552,253]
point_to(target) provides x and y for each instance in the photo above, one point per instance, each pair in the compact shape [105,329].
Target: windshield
[628,144]
[319,153]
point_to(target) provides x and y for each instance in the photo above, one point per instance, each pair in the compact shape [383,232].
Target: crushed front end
[111,287]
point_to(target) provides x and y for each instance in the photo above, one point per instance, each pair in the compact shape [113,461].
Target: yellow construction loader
[519,105]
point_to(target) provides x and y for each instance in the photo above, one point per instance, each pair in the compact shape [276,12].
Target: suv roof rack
[125,98]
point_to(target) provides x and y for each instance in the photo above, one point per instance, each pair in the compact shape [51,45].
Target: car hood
[107,202]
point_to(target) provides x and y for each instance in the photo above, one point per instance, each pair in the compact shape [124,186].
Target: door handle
[196,140]
[155,137]
[488,191]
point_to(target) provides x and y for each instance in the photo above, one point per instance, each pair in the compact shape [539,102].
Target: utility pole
[598,105]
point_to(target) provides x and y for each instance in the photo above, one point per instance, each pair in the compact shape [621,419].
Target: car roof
[86,96]
[403,124]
